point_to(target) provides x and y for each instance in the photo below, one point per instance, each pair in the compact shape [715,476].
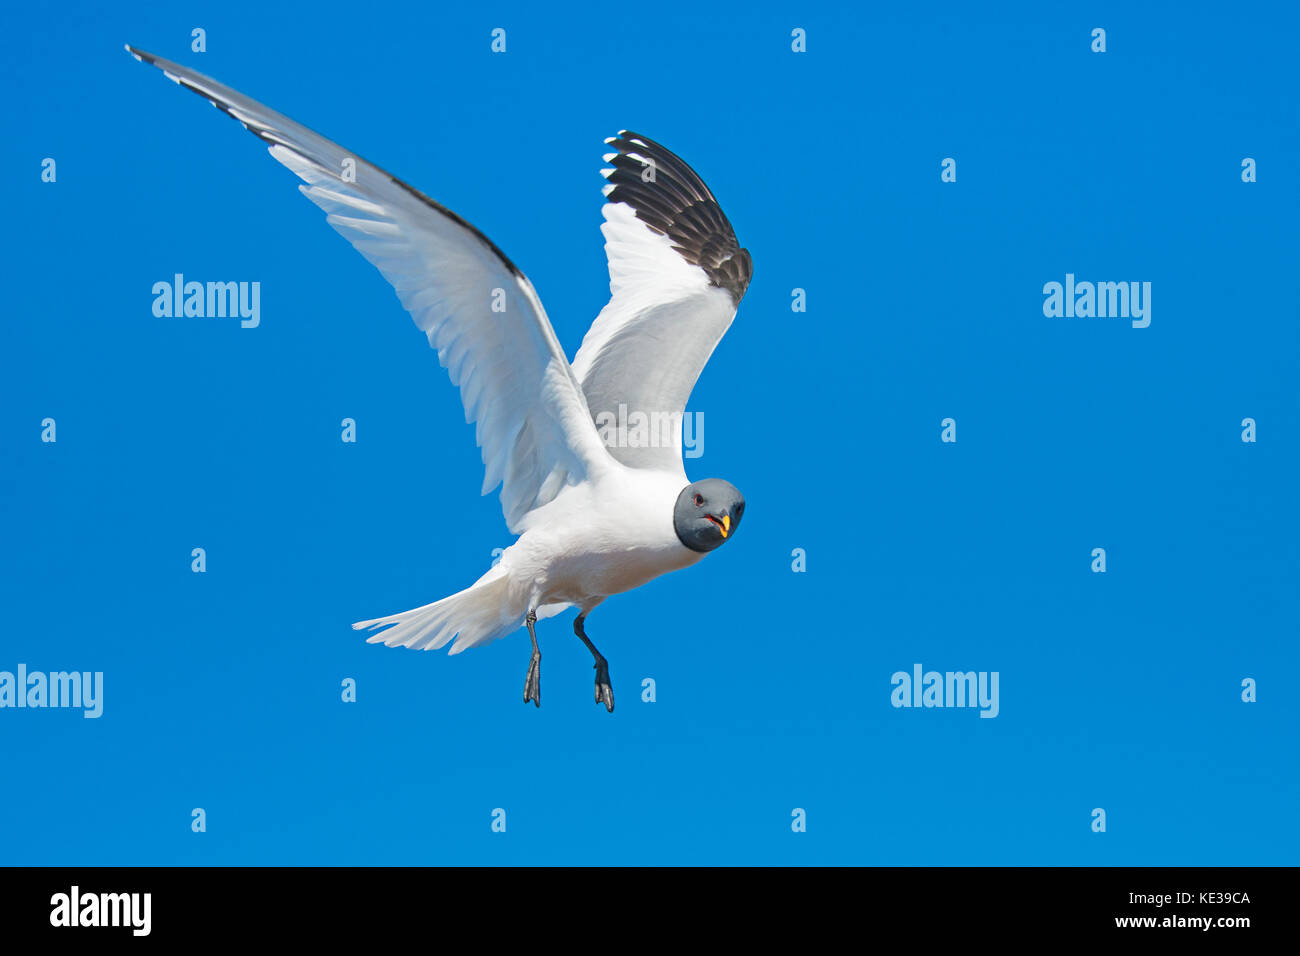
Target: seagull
[595,514]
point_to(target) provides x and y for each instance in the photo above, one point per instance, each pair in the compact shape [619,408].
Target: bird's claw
[533,682]
[604,692]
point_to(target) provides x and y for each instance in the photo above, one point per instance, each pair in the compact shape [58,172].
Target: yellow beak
[726,525]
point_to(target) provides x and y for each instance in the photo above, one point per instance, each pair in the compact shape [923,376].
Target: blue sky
[1119,690]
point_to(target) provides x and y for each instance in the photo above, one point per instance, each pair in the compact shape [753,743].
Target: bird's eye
[699,500]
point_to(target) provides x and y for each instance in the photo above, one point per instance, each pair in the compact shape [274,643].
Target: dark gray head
[707,513]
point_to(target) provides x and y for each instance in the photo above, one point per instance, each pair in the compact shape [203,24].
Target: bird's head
[707,513]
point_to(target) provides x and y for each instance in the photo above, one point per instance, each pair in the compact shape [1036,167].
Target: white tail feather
[479,615]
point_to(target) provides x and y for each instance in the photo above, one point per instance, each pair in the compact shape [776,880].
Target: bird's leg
[533,683]
[604,692]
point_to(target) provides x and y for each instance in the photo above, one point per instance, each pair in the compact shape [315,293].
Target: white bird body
[599,539]
[594,518]
[593,540]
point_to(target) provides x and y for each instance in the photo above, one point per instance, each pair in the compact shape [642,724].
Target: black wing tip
[142,55]
[675,202]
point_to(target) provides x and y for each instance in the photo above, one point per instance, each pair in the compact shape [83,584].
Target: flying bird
[593,517]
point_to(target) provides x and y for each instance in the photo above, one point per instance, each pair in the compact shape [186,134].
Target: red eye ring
[699,501]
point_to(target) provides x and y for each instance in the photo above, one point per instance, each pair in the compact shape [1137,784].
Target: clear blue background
[1119,690]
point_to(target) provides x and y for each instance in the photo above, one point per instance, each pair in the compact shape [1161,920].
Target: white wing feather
[532,421]
[676,275]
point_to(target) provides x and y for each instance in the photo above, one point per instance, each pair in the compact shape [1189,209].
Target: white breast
[599,539]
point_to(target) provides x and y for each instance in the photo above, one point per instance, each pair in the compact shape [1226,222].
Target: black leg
[604,692]
[533,683]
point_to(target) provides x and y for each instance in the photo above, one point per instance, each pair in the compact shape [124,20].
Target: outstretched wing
[676,276]
[515,381]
